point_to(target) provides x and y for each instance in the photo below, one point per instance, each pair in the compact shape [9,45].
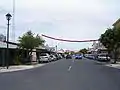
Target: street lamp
[56,48]
[8,17]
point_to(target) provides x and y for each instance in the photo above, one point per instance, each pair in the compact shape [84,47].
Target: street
[63,75]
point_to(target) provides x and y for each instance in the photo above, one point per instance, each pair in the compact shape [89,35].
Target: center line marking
[69,68]
[73,60]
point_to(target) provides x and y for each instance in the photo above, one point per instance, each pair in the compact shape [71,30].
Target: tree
[66,52]
[2,37]
[83,51]
[110,39]
[72,52]
[29,42]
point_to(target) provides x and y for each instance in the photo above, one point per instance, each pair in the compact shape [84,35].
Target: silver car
[44,57]
[53,57]
[103,57]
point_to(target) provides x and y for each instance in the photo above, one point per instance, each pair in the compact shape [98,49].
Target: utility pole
[13,22]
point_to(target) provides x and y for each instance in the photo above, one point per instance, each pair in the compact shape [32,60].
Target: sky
[66,19]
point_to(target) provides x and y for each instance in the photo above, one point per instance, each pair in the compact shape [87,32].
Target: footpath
[117,65]
[19,67]
[109,64]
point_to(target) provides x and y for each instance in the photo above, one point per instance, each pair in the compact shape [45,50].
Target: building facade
[98,48]
[117,24]
[12,53]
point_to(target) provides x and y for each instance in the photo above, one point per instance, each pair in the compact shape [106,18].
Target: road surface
[63,75]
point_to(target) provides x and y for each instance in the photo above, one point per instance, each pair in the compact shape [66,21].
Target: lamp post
[56,48]
[57,45]
[8,17]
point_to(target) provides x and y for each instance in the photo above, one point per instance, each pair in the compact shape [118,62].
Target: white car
[60,56]
[103,58]
[53,58]
[44,57]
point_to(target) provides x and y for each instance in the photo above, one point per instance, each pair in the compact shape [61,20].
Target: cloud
[3,11]
[67,19]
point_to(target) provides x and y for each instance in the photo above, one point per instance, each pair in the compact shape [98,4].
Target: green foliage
[39,40]
[29,42]
[111,40]
[83,51]
[72,52]
[17,60]
[66,52]
[107,39]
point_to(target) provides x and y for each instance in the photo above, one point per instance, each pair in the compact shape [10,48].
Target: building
[12,52]
[117,24]
[15,53]
[98,48]
[60,51]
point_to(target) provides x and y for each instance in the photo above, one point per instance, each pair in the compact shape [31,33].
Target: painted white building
[98,48]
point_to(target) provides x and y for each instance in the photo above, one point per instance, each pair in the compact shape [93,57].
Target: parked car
[78,56]
[68,57]
[90,56]
[103,57]
[44,57]
[52,57]
[57,56]
[60,56]
[63,55]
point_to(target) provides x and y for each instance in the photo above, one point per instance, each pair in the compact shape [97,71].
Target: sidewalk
[117,65]
[19,67]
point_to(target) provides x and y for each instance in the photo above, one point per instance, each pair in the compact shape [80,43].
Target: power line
[68,40]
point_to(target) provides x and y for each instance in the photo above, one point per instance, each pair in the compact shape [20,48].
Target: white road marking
[73,60]
[69,68]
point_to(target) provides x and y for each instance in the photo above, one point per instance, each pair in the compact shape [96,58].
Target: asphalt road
[63,75]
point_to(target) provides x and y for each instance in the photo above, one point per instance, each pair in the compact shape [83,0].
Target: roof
[10,45]
[116,22]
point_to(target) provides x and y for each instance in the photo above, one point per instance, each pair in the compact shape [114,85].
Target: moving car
[78,56]
[44,57]
[68,57]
